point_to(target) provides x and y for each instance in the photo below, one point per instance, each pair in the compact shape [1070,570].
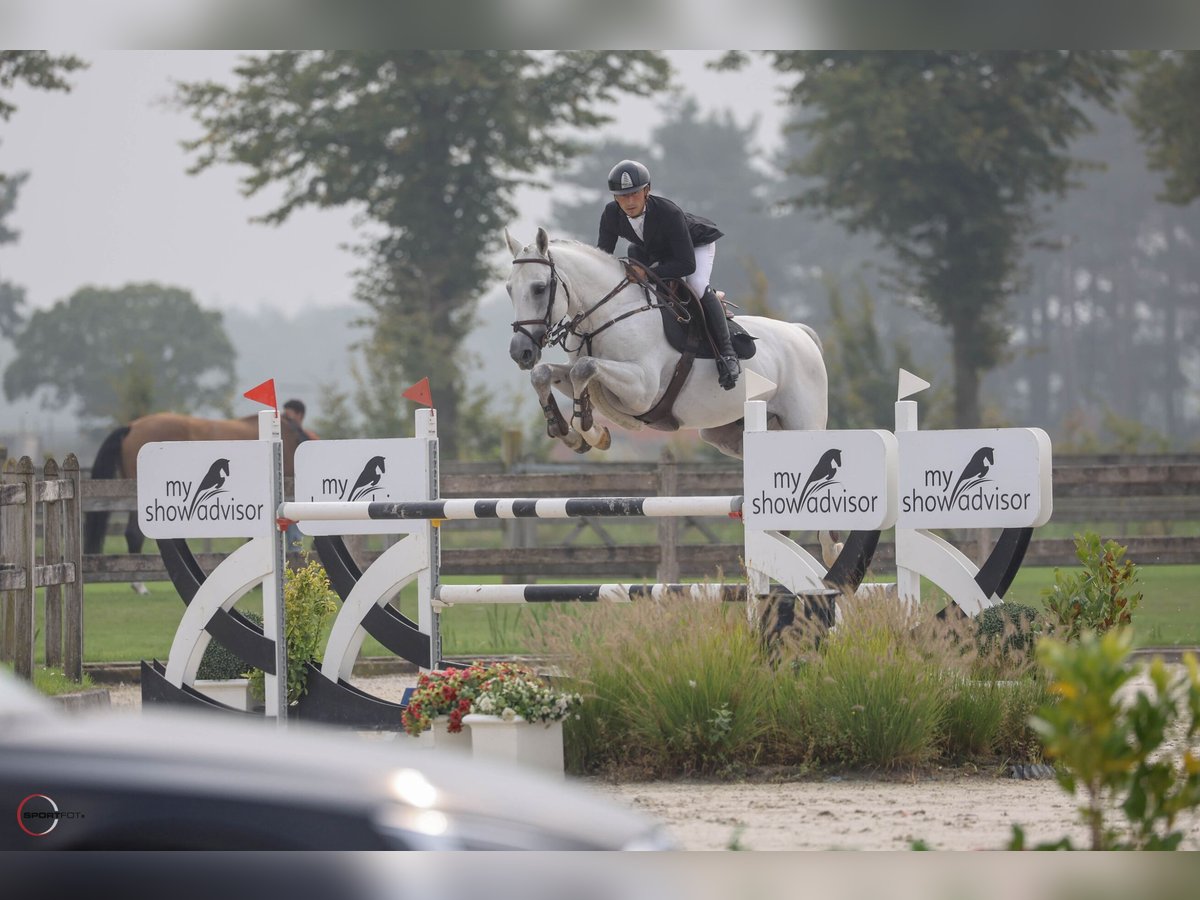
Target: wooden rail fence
[58,494]
[1155,493]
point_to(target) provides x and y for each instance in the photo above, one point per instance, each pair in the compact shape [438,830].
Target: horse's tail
[812,334]
[107,465]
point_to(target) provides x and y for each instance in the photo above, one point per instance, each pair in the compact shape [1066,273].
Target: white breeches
[706,254]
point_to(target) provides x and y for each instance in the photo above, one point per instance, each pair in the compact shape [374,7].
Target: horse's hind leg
[726,438]
[545,376]
[135,539]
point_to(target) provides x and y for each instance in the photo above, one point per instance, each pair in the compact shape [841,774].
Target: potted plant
[308,602]
[518,716]
[440,700]
[222,674]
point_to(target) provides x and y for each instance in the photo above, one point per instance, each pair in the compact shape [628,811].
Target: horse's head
[533,287]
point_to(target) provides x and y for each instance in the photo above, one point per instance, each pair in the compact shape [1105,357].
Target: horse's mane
[587,249]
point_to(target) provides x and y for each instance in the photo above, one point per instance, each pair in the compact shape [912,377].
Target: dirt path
[949,812]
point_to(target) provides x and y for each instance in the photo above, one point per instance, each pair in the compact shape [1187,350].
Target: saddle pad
[677,333]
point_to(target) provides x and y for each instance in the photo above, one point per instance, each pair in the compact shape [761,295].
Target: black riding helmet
[628,176]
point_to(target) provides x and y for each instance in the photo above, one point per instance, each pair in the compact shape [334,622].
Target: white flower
[691,683]
[509,714]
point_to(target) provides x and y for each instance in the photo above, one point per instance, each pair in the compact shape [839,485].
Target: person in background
[293,411]
[673,244]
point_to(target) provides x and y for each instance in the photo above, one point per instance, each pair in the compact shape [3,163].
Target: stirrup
[728,371]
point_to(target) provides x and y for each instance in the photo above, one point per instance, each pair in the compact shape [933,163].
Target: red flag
[264,394]
[419,393]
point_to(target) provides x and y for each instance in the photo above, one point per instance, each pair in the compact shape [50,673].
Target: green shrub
[671,687]
[878,687]
[309,601]
[1099,598]
[219,663]
[974,717]
[1110,752]
[1007,628]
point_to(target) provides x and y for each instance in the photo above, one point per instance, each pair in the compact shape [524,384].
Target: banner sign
[387,469]
[205,489]
[977,478]
[819,480]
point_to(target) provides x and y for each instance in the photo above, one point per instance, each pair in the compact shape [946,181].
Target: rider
[671,242]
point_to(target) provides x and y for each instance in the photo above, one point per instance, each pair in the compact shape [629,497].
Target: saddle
[685,330]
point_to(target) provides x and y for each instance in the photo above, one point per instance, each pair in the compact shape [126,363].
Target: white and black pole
[274,614]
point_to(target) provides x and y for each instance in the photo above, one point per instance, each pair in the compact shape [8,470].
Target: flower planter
[530,744]
[441,739]
[233,692]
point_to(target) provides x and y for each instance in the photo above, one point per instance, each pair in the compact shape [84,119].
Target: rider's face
[633,205]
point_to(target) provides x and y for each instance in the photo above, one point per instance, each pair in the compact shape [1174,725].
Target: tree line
[1035,207]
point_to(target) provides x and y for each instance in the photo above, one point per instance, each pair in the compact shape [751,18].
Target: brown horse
[117,458]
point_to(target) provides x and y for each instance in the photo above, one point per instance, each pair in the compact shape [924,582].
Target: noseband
[520,324]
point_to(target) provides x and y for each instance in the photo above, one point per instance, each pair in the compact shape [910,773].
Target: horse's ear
[513,246]
[543,241]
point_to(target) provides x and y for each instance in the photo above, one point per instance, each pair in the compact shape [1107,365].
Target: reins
[557,334]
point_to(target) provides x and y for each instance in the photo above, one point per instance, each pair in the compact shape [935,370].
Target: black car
[175,779]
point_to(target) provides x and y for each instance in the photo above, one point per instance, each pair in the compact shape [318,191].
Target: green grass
[121,626]
[53,682]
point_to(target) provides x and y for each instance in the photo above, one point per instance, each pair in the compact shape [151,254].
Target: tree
[122,351]
[37,69]
[12,297]
[945,156]
[1164,110]
[862,368]
[431,145]
[710,167]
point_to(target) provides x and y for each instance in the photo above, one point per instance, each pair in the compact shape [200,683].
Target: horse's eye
[539,288]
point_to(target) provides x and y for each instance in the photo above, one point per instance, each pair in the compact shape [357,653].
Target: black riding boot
[728,367]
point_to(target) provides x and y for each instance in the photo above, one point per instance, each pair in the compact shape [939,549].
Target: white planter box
[436,737]
[233,692]
[531,744]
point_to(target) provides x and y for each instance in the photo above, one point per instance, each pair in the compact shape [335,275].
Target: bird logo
[822,473]
[211,484]
[975,472]
[368,479]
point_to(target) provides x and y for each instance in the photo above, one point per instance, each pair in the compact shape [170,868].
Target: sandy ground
[946,811]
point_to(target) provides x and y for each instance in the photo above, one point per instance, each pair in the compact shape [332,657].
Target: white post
[758,582]
[908,581]
[274,615]
[428,619]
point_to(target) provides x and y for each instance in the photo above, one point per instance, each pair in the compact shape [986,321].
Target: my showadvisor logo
[190,501]
[367,482]
[975,489]
[38,815]
[974,473]
[822,476]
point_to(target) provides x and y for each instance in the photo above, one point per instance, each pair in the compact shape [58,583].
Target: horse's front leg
[544,377]
[620,378]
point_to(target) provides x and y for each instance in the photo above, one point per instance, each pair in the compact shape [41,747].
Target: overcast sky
[109,201]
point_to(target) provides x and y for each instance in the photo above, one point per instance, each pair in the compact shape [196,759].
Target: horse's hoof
[605,442]
[139,588]
[583,447]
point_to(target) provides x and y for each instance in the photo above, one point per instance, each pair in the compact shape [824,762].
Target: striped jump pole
[530,508]
[450,594]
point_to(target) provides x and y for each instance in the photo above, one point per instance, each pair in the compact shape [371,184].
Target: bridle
[520,324]
[558,333]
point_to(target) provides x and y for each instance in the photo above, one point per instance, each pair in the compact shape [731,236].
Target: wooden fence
[1137,500]
[52,502]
